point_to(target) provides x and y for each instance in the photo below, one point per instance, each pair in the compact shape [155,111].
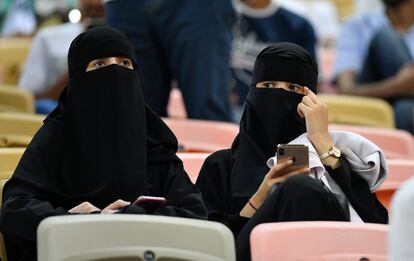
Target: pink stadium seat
[345,257]
[399,172]
[202,136]
[193,163]
[396,144]
[339,241]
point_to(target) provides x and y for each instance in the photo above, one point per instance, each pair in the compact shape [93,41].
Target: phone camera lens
[281,151]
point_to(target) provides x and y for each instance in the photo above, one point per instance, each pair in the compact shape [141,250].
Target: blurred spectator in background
[261,23]
[322,14]
[185,40]
[45,71]
[54,12]
[375,58]
[17,18]
[364,6]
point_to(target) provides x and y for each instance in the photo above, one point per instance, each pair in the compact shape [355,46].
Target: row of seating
[208,136]
[114,237]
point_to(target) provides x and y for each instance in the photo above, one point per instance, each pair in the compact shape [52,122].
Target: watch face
[335,152]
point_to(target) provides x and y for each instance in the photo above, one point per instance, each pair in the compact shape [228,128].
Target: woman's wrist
[322,143]
[257,199]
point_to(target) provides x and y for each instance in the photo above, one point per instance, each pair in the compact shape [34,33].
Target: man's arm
[401,84]
[54,91]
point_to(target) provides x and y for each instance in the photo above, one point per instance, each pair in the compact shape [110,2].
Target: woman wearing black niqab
[99,150]
[239,189]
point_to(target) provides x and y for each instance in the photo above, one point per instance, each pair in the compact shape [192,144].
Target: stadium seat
[397,144]
[193,163]
[133,237]
[18,129]
[202,136]
[293,241]
[400,171]
[13,53]
[362,111]
[16,100]
[9,158]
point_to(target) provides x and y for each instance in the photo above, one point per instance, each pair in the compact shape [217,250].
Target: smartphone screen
[150,204]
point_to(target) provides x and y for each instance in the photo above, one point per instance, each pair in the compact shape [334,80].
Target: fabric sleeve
[213,185]
[359,194]
[25,202]
[23,214]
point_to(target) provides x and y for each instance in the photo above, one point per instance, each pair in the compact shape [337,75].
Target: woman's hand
[84,208]
[315,113]
[278,174]
[115,206]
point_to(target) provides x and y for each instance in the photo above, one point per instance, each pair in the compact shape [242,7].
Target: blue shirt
[258,29]
[355,38]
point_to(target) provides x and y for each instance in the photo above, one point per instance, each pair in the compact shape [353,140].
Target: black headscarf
[96,145]
[270,116]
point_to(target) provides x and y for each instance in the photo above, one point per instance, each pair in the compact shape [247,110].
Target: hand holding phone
[299,154]
[150,204]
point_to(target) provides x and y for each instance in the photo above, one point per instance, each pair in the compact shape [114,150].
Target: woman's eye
[269,85]
[293,87]
[125,63]
[98,64]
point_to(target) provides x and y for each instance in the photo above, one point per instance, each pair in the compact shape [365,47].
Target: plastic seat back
[18,129]
[13,53]
[9,158]
[400,171]
[293,241]
[16,100]
[133,237]
[396,144]
[359,111]
[202,136]
[193,163]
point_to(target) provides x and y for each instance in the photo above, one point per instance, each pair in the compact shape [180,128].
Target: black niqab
[270,116]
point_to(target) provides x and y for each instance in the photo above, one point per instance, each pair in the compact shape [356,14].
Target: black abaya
[101,144]
[229,178]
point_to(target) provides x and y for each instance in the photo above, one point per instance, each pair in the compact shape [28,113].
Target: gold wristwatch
[334,151]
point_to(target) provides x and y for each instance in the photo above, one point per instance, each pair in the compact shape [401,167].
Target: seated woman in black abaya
[99,150]
[237,185]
